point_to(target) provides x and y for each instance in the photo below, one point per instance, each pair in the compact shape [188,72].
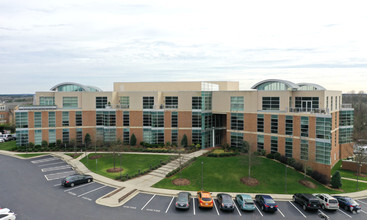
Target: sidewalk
[128,189]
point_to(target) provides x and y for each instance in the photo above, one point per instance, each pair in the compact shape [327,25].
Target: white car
[327,202]
[2,139]
[6,214]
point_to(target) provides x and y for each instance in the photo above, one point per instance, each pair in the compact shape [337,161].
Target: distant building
[303,121]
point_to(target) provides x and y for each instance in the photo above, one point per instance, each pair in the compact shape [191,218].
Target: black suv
[307,201]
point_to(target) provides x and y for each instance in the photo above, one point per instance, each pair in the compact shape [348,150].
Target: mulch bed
[181,182]
[114,170]
[249,181]
[95,157]
[308,184]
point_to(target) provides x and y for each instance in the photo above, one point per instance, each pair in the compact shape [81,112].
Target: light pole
[202,175]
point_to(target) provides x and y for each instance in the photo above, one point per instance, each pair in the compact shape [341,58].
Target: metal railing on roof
[310,110]
[38,107]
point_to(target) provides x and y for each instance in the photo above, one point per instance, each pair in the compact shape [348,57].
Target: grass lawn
[7,145]
[345,173]
[30,155]
[223,175]
[130,163]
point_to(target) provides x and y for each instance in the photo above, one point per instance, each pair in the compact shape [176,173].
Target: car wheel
[323,206]
[72,184]
[262,208]
[293,199]
[88,180]
[304,207]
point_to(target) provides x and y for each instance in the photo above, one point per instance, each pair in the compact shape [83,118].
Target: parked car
[8,137]
[266,203]
[205,199]
[245,202]
[183,200]
[327,201]
[225,202]
[348,204]
[1,139]
[76,179]
[6,214]
[307,201]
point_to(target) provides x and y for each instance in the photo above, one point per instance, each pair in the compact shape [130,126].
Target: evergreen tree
[336,180]
[133,140]
[184,141]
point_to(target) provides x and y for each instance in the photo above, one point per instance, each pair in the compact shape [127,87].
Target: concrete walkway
[351,179]
[143,184]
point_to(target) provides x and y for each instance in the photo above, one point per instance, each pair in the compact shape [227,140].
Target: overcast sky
[43,43]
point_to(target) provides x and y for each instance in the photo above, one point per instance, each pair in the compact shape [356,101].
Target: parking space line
[281,212]
[91,191]
[215,206]
[362,202]
[297,209]
[235,205]
[148,202]
[50,164]
[345,213]
[55,168]
[44,160]
[86,198]
[71,193]
[323,214]
[58,184]
[78,187]
[193,204]
[363,211]
[63,176]
[259,210]
[170,204]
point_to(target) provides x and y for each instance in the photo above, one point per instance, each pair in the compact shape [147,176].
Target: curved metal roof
[316,86]
[290,84]
[84,87]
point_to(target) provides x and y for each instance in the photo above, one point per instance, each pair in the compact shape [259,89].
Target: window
[304,150]
[289,125]
[174,120]
[346,118]
[126,118]
[148,102]
[270,103]
[307,103]
[100,134]
[196,102]
[288,147]
[174,136]
[106,118]
[78,118]
[70,102]
[101,102]
[157,119]
[260,142]
[158,136]
[21,120]
[274,124]
[38,119]
[171,102]
[79,137]
[260,123]
[345,135]
[207,119]
[237,103]
[290,102]
[236,139]
[304,126]
[126,136]
[336,102]
[51,119]
[196,120]
[323,128]
[124,102]
[274,145]
[52,136]
[65,135]
[327,102]
[109,135]
[207,100]
[323,152]
[22,137]
[331,103]
[65,118]
[236,121]
[37,137]
[147,119]
[47,101]
[196,136]
[147,135]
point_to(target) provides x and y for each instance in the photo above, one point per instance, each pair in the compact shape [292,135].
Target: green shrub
[270,156]
[277,156]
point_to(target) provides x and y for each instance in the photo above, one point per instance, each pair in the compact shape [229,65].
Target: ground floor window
[260,142]
[288,147]
[236,139]
[274,145]
[22,138]
[304,150]
[38,137]
[174,136]
[196,137]
[323,152]
[65,135]
[52,136]
[126,136]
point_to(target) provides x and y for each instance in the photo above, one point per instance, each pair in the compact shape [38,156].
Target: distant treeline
[359,103]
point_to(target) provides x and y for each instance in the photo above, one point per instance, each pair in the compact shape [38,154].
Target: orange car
[205,199]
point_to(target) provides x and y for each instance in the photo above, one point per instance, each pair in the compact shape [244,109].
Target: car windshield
[269,201]
[207,199]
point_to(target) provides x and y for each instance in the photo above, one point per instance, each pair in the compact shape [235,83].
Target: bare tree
[360,157]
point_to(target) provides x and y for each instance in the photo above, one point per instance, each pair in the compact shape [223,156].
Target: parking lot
[55,169]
